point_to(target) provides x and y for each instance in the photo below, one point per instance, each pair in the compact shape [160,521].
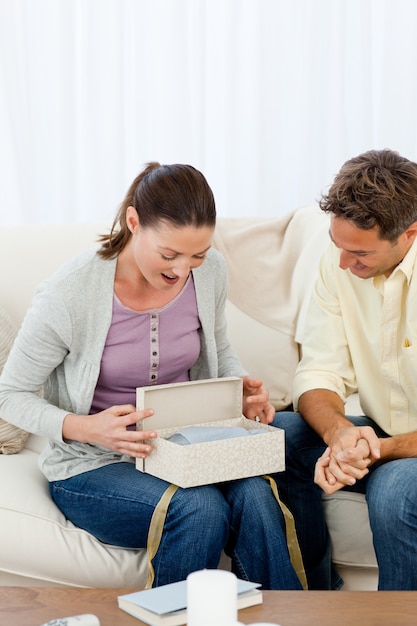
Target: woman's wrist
[74,428]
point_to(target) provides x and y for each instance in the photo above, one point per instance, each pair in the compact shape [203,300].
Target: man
[361,334]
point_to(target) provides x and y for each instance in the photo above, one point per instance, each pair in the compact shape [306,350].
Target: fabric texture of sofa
[272,263]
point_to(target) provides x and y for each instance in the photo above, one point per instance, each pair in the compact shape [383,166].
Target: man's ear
[132,219]
[411,232]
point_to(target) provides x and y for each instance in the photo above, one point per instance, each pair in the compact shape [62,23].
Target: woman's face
[166,254]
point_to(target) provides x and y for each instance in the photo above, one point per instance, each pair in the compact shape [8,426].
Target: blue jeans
[115,503]
[391,494]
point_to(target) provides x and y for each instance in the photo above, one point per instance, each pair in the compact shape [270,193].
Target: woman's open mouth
[171,280]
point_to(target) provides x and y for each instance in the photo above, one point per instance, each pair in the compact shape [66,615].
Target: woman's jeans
[115,503]
[391,494]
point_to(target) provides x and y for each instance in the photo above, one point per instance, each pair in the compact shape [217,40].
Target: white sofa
[271,265]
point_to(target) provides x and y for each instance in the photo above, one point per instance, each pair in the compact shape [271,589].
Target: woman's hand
[108,428]
[256,400]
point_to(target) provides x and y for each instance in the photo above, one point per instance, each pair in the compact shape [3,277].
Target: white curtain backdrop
[267,97]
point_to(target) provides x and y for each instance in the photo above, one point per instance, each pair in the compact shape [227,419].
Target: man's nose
[347,259]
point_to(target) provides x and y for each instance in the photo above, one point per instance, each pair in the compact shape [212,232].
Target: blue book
[167,605]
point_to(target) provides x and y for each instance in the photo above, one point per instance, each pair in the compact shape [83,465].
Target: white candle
[211,598]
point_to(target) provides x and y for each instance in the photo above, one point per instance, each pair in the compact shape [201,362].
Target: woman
[146,308]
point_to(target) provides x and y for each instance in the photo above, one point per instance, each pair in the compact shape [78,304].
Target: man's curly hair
[375,189]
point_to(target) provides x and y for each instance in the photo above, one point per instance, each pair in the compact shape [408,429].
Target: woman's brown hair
[177,194]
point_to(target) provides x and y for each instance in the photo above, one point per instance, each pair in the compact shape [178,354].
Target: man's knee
[298,434]
[392,490]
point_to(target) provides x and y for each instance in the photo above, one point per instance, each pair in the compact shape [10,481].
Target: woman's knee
[204,505]
[252,492]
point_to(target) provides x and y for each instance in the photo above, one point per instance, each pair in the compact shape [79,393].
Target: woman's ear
[132,219]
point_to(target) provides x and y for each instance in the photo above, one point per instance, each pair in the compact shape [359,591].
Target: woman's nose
[182,267]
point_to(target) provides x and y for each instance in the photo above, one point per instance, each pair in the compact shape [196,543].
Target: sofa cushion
[348,523]
[37,541]
[12,438]
[258,345]
[271,265]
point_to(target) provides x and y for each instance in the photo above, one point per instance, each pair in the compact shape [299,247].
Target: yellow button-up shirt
[361,335]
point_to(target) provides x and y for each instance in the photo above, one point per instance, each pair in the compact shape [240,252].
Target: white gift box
[215,402]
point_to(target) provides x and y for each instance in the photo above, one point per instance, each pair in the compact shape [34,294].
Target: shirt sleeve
[325,356]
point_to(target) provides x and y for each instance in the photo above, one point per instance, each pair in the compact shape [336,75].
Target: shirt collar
[406,267]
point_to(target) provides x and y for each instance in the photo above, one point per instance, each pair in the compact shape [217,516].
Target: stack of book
[167,605]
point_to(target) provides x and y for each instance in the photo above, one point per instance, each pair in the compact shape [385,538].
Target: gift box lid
[188,403]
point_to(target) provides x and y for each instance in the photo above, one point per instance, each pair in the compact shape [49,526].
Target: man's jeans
[115,503]
[391,494]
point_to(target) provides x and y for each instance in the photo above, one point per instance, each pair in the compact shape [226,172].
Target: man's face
[363,252]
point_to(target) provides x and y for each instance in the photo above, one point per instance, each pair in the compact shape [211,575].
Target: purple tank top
[147,348]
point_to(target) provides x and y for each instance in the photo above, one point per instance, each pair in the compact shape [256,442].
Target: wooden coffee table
[32,606]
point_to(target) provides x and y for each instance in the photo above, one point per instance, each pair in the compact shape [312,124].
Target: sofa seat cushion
[348,522]
[37,541]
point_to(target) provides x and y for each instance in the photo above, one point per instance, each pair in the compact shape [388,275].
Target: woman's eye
[167,258]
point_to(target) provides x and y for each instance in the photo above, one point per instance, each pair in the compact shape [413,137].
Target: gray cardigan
[60,345]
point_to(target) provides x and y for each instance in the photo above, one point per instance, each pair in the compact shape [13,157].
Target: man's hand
[350,452]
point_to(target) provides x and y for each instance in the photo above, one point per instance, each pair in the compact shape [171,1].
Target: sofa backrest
[33,253]
[271,262]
